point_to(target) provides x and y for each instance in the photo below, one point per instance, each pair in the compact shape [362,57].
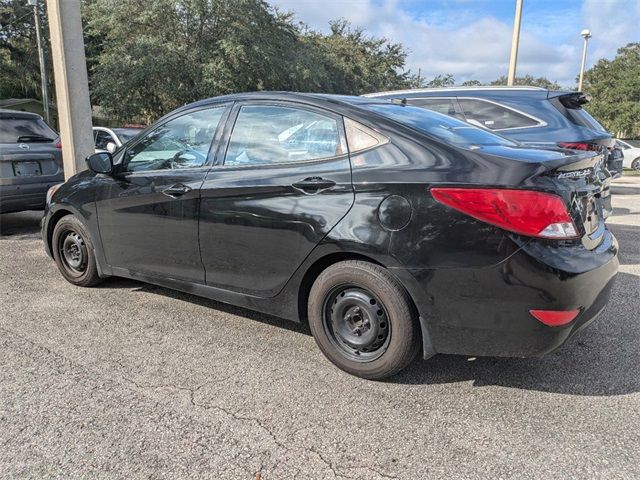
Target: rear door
[280,187]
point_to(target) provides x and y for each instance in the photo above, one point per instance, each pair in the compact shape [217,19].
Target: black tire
[74,253]
[635,164]
[338,314]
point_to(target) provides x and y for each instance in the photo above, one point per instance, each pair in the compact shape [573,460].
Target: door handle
[176,190]
[313,184]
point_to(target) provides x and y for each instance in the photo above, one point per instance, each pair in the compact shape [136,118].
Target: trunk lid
[585,184]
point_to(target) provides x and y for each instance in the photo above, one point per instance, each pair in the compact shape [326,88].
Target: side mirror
[111,147]
[101,162]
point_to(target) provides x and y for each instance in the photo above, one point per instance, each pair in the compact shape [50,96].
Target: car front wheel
[74,253]
[363,319]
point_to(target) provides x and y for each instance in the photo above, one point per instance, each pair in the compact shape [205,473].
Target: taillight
[58,144]
[554,318]
[585,146]
[535,214]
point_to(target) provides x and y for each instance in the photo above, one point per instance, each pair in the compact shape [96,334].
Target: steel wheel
[74,255]
[357,323]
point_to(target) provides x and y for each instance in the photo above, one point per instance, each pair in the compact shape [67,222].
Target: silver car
[30,161]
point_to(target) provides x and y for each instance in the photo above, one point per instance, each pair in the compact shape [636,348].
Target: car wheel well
[55,218]
[318,267]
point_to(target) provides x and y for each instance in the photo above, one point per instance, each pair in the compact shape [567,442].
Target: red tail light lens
[554,318]
[535,214]
[58,144]
[592,147]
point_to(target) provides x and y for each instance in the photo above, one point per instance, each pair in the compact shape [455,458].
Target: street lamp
[586,34]
[43,72]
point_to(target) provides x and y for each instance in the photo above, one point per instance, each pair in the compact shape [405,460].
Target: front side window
[268,134]
[183,142]
[103,139]
[493,116]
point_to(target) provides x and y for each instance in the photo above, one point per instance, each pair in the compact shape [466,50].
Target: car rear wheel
[74,253]
[363,319]
[636,164]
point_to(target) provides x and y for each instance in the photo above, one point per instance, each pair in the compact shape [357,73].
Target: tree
[529,80]
[19,67]
[614,86]
[471,83]
[148,58]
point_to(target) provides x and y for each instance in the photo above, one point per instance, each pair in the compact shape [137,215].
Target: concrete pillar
[72,85]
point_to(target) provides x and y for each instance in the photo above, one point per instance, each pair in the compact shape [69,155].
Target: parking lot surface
[130,380]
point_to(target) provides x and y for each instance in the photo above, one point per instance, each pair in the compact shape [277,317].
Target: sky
[472,38]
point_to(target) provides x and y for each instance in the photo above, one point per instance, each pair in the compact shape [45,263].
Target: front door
[284,183]
[148,210]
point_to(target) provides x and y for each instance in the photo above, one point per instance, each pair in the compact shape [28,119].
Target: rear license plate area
[27,169]
[593,213]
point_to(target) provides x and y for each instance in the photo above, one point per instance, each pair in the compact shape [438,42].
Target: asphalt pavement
[130,380]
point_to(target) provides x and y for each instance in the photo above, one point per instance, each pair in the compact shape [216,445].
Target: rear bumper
[25,196]
[485,311]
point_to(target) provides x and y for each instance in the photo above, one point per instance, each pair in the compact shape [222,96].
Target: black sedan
[389,228]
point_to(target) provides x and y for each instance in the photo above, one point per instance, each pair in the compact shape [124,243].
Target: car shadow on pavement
[20,223]
[115,282]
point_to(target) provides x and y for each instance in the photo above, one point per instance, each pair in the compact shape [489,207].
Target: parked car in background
[391,228]
[530,115]
[110,139]
[631,154]
[30,161]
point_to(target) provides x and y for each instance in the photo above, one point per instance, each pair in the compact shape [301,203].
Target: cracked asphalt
[130,380]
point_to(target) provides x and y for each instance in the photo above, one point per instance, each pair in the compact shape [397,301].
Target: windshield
[23,129]
[443,127]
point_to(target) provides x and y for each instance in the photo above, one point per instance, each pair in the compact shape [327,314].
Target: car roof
[319,98]
[480,91]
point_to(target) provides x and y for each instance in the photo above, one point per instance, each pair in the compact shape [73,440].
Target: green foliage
[472,83]
[147,58]
[19,67]
[614,86]
[529,80]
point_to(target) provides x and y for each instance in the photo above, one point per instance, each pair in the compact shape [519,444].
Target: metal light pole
[514,44]
[43,71]
[586,34]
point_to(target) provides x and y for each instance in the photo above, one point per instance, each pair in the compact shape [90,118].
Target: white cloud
[477,45]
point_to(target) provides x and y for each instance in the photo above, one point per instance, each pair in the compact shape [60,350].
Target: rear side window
[20,129]
[442,127]
[493,116]
[446,106]
[268,134]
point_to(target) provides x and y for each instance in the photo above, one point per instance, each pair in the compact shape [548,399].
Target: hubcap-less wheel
[356,322]
[73,253]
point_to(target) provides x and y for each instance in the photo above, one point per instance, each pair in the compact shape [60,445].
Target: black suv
[530,115]
[30,161]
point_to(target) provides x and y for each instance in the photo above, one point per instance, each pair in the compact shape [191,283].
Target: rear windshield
[20,129]
[581,117]
[442,127]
